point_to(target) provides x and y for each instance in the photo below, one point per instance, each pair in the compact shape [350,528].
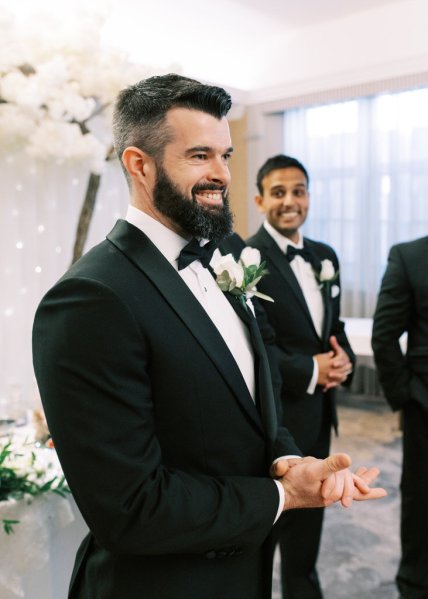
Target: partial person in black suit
[156,385]
[403,307]
[315,355]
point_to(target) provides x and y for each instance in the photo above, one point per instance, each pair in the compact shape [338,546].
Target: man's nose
[219,172]
[287,199]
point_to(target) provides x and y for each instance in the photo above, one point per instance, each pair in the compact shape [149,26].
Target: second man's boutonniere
[327,276]
[240,277]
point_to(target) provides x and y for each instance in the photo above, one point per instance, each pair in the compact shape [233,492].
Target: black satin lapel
[327,317]
[326,298]
[143,253]
[264,379]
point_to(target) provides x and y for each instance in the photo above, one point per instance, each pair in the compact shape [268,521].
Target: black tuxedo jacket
[297,338]
[403,306]
[162,446]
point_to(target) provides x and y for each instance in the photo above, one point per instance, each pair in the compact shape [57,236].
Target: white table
[37,559]
[359,333]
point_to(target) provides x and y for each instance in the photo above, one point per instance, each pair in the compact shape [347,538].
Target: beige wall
[239,172]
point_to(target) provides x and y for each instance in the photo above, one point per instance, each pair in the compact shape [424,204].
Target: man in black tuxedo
[315,355]
[403,307]
[156,385]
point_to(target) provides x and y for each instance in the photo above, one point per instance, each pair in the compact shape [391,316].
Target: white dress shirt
[310,288]
[203,286]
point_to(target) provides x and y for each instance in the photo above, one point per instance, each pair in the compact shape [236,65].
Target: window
[368,166]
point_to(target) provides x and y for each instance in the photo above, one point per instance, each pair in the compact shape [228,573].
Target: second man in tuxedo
[315,355]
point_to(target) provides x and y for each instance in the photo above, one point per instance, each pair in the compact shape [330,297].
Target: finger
[360,484]
[360,471]
[336,490]
[333,463]
[370,475]
[327,486]
[334,344]
[330,385]
[374,493]
[348,489]
[336,376]
[279,468]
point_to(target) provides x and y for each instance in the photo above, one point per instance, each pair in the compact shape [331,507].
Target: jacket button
[211,554]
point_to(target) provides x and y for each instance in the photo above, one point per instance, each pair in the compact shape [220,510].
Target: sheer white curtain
[39,209]
[368,164]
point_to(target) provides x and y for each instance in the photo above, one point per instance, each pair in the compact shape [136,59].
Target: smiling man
[315,355]
[156,385]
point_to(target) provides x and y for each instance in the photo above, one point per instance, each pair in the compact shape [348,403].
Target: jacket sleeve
[390,321]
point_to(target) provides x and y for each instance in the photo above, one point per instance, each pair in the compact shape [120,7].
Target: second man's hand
[334,366]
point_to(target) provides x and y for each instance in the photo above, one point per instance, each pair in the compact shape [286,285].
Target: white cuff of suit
[280,487]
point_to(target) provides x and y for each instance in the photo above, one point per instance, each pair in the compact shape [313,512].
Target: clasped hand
[334,366]
[310,482]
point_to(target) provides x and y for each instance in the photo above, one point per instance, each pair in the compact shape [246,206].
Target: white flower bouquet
[26,471]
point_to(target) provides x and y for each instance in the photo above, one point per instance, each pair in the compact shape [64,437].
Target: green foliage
[17,484]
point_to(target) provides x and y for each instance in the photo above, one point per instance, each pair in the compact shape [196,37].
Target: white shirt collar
[167,241]
[281,240]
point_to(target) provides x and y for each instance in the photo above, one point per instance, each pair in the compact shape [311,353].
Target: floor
[360,546]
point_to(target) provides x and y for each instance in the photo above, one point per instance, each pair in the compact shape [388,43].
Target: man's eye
[299,192]
[227,157]
[200,156]
[278,194]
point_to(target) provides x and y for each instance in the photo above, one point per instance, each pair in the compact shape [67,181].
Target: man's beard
[196,220]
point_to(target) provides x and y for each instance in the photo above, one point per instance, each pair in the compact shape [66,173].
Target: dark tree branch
[86,215]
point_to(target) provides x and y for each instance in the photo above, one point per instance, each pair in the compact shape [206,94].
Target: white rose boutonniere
[241,277]
[327,276]
[327,272]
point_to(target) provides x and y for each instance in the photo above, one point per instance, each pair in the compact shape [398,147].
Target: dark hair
[140,110]
[276,162]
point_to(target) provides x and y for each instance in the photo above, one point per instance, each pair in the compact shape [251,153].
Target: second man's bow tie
[193,251]
[304,253]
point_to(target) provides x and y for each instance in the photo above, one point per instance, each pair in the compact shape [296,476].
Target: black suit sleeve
[390,321]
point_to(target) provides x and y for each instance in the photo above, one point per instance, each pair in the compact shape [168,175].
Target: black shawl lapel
[326,298]
[143,253]
[277,257]
[266,400]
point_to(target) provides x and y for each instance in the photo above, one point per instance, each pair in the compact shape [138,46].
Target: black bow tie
[307,255]
[193,251]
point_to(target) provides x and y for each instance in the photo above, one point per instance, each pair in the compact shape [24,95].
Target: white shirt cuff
[313,382]
[281,488]
[281,499]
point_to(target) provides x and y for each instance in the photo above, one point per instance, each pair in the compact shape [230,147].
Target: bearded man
[155,382]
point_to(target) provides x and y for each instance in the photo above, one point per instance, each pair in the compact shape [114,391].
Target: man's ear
[139,165]
[260,203]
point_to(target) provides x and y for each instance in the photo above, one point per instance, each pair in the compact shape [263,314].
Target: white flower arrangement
[241,277]
[27,470]
[58,81]
[51,90]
